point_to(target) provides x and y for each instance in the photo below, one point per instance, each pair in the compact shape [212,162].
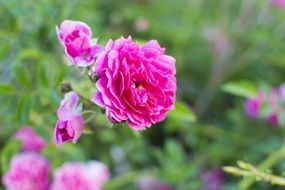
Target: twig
[254,173]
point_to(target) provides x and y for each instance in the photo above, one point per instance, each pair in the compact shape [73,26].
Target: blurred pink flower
[278,3]
[151,183]
[218,39]
[142,24]
[70,122]
[282,92]
[136,84]
[75,37]
[213,179]
[273,98]
[28,171]
[29,139]
[272,105]
[273,102]
[79,176]
[273,119]
[253,105]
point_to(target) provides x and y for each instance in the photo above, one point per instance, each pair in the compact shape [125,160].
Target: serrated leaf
[240,88]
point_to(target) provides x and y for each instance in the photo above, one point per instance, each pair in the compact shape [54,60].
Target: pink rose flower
[278,3]
[28,171]
[29,139]
[75,37]
[70,122]
[79,176]
[136,84]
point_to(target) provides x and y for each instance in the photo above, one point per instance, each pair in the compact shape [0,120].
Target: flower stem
[254,173]
[270,161]
[66,87]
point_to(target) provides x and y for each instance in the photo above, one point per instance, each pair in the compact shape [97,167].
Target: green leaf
[42,75]
[9,150]
[265,110]
[61,72]
[50,152]
[6,89]
[30,54]
[23,109]
[87,130]
[22,75]
[73,151]
[182,113]
[281,119]
[121,180]
[174,152]
[240,88]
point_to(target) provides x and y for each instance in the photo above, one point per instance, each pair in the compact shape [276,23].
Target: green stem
[66,87]
[256,174]
[271,160]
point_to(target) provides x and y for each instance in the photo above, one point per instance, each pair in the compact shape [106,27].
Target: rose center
[137,85]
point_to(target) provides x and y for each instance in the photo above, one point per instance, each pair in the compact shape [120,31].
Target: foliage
[224,50]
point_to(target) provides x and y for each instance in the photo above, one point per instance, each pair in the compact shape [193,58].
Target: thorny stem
[270,161]
[248,170]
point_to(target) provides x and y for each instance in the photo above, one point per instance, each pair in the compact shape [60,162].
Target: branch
[254,173]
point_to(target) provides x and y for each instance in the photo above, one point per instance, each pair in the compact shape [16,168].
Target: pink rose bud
[136,84]
[79,176]
[278,3]
[70,122]
[75,37]
[30,140]
[28,171]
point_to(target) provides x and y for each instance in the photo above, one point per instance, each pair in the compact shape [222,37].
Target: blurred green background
[216,43]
